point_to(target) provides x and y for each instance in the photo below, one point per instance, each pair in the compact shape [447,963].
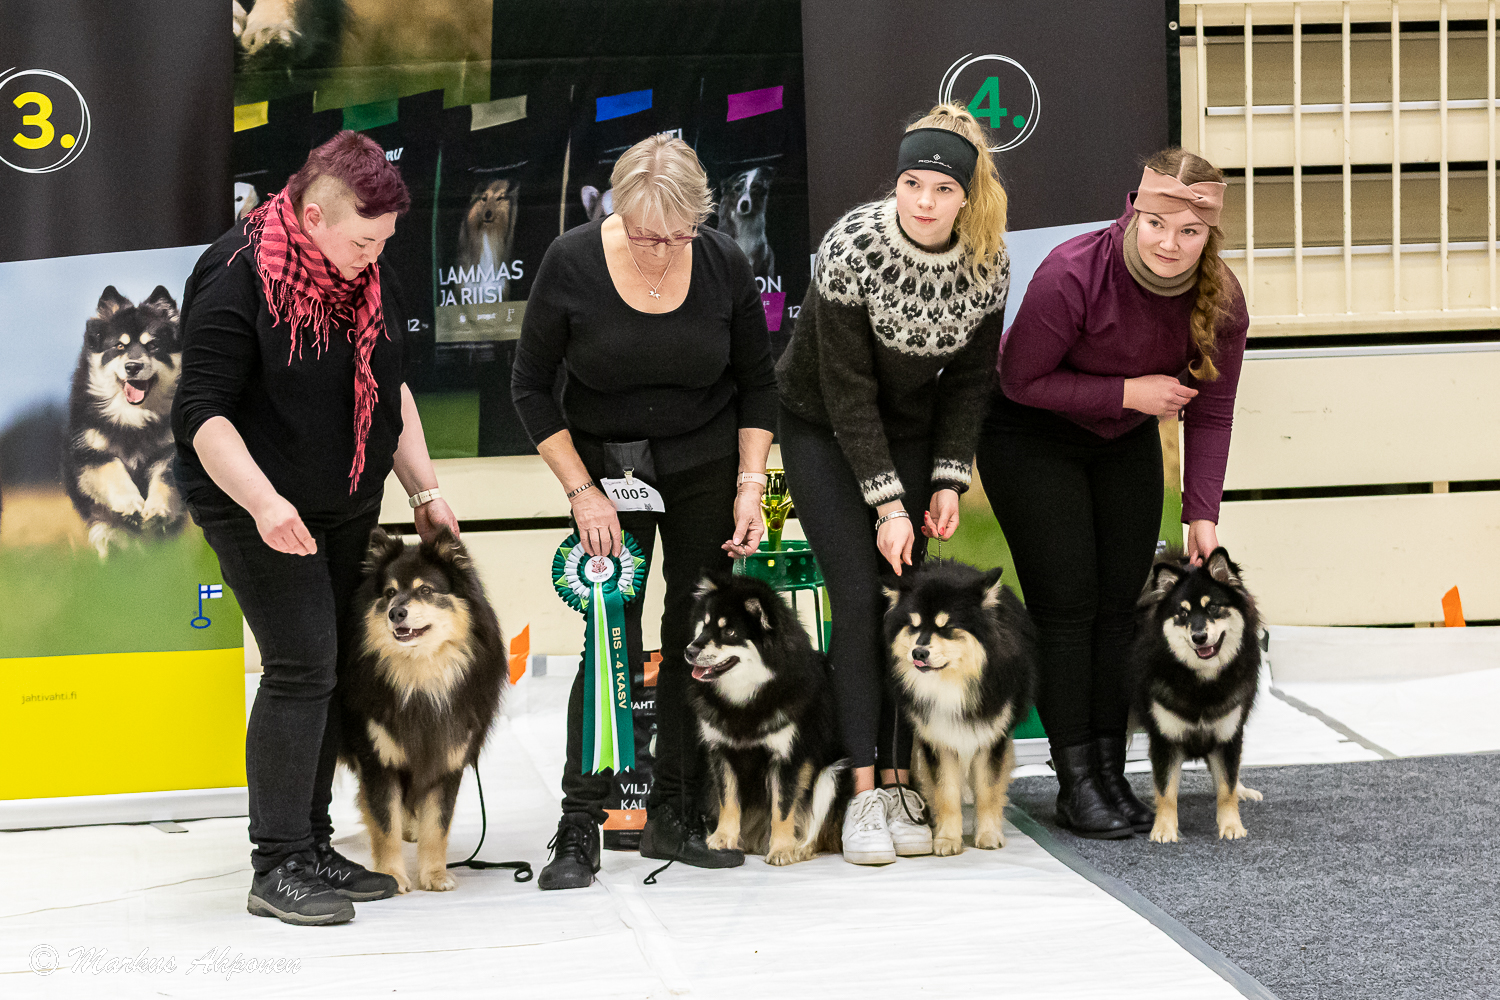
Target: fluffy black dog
[419,693]
[1196,667]
[965,652]
[766,714]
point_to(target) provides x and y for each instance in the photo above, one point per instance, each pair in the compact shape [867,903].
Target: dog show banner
[121,660]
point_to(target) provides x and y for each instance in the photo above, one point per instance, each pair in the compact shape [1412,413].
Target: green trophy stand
[789,567]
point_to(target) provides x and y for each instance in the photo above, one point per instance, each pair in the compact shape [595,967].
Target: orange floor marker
[1453,610]
[520,652]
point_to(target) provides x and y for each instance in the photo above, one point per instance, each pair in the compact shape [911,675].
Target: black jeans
[840,527]
[1081,514]
[699,518]
[297,608]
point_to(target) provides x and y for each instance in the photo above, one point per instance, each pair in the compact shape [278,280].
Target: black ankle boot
[1110,751]
[1081,805]
[670,836]
[575,854]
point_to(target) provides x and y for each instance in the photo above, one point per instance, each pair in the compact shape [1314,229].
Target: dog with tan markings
[766,715]
[419,692]
[964,652]
[1196,668]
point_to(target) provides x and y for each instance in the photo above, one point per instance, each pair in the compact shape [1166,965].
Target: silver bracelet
[586,486]
[891,516]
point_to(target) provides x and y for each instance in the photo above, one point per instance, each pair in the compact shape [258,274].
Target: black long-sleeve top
[688,379]
[296,414]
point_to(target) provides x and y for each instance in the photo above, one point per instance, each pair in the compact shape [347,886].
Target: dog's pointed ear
[448,548]
[892,596]
[1164,576]
[383,548]
[1222,568]
[111,302]
[992,587]
[161,300]
[591,198]
[754,607]
[706,585]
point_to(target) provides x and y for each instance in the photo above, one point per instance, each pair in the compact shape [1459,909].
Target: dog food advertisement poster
[121,642]
[625,806]
[752,141]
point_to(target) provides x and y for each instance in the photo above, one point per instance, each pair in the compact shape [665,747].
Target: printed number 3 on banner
[633,494]
[40,120]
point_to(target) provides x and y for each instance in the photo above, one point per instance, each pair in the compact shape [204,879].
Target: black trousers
[699,518]
[840,527]
[1081,514]
[297,607]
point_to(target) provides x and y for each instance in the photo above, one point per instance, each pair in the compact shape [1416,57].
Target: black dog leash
[521,868]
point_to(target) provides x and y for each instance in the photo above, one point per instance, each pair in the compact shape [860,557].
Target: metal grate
[1367,285]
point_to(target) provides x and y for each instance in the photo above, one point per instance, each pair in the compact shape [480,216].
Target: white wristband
[754,477]
[418,499]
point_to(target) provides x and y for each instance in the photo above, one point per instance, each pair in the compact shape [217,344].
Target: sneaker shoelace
[298,875]
[870,814]
[906,803]
[329,863]
[569,841]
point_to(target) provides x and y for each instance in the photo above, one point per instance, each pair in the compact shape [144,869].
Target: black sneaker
[670,837]
[575,854]
[294,893]
[350,879]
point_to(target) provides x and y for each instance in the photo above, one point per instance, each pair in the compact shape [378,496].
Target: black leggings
[297,608]
[840,526]
[1081,514]
[699,518]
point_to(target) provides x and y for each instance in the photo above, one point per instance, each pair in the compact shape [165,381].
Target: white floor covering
[1008,923]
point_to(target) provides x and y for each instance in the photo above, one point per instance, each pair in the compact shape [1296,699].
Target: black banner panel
[1075,94]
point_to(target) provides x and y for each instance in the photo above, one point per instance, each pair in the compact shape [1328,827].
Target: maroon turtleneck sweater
[1086,325]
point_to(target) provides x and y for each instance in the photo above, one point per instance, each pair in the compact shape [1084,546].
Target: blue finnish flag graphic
[208,591]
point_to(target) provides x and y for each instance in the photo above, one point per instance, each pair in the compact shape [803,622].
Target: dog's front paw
[1163,832]
[947,847]
[783,856]
[126,502]
[403,881]
[722,842]
[440,880]
[1248,793]
[275,26]
[159,507]
[1232,829]
[989,840]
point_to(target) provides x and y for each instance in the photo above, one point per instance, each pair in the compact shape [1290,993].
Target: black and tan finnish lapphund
[117,464]
[419,691]
[1195,667]
[964,653]
[765,708]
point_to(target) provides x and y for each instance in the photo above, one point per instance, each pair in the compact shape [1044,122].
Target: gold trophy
[775,503]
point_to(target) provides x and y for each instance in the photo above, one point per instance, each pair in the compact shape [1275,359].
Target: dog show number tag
[631,494]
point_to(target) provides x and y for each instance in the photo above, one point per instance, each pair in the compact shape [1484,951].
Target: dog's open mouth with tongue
[136,389]
[709,671]
[1210,651]
[404,633]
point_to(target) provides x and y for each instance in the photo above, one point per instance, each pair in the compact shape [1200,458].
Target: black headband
[938,149]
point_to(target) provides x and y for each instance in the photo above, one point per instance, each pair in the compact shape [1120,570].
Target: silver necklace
[652,291]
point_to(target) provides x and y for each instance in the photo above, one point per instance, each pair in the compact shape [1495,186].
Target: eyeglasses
[669,241]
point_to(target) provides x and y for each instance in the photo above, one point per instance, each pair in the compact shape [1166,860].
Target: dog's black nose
[1200,638]
[920,653]
[133,368]
[398,614]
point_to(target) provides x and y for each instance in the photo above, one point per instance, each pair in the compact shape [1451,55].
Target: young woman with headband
[1138,321]
[882,389]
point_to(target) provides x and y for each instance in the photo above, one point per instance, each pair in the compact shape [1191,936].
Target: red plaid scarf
[304,289]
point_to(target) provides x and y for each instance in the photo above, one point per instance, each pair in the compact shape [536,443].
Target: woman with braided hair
[1119,327]
[291,411]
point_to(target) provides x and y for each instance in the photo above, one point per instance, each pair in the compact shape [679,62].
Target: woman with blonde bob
[1138,321]
[656,323]
[882,391]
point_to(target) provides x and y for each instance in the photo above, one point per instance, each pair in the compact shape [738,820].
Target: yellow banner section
[122,722]
[251,115]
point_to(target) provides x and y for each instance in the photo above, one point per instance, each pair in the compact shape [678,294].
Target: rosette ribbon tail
[608,723]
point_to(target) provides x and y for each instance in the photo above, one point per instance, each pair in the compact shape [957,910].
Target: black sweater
[296,414]
[687,379]
[895,343]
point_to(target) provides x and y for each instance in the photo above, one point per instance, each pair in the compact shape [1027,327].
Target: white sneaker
[866,839]
[907,823]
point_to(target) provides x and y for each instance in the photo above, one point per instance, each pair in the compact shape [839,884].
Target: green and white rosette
[599,587]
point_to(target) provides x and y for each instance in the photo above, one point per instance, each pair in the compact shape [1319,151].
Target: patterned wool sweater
[894,343]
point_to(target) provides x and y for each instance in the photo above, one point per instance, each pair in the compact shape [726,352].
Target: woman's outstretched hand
[749,522]
[1202,539]
[895,537]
